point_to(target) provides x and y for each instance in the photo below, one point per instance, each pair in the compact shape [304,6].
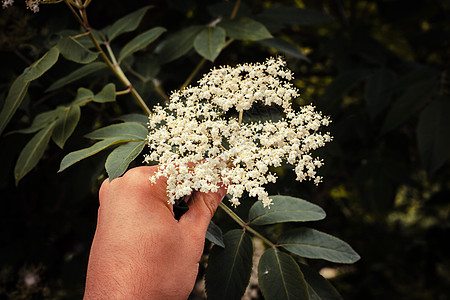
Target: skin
[139,250]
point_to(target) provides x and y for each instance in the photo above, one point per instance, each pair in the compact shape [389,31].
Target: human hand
[139,250]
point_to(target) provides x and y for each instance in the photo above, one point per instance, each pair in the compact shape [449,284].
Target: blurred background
[380,69]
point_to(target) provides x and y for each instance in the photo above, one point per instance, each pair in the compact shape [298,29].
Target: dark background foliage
[379,68]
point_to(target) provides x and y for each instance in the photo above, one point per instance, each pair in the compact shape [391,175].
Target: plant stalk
[194,72]
[244,225]
[112,63]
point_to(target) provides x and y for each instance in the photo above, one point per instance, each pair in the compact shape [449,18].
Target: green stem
[114,66]
[196,70]
[244,225]
[124,92]
[159,90]
[81,35]
[235,9]
[76,15]
[137,75]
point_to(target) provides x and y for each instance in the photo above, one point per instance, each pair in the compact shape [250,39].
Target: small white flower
[7,3]
[199,149]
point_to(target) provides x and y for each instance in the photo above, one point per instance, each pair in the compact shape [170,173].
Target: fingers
[134,190]
[202,207]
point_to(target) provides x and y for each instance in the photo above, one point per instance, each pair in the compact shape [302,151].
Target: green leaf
[121,157]
[77,74]
[245,29]
[13,100]
[78,155]
[73,50]
[376,91]
[295,16]
[42,120]
[344,82]
[413,77]
[408,103]
[312,243]
[280,277]
[209,42]
[140,42]
[138,118]
[19,87]
[214,235]
[127,23]
[433,134]
[39,67]
[66,124]
[107,94]
[229,268]
[131,131]
[319,288]
[83,96]
[285,209]
[284,47]
[32,152]
[177,44]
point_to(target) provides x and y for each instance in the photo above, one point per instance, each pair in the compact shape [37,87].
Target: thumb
[202,207]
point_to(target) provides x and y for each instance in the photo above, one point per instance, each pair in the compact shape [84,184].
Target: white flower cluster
[201,146]
[32,5]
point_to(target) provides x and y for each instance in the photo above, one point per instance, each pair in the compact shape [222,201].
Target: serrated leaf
[280,277]
[32,152]
[409,103]
[83,97]
[209,42]
[73,50]
[318,287]
[295,16]
[66,124]
[177,44]
[229,268]
[214,234]
[284,209]
[41,120]
[245,29]
[78,155]
[77,74]
[433,134]
[312,243]
[120,158]
[140,42]
[127,131]
[107,94]
[127,23]
[376,91]
[19,87]
[284,47]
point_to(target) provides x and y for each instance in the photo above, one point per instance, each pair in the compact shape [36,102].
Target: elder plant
[199,148]
[203,137]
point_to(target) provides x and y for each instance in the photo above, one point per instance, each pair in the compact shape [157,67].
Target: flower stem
[196,70]
[244,225]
